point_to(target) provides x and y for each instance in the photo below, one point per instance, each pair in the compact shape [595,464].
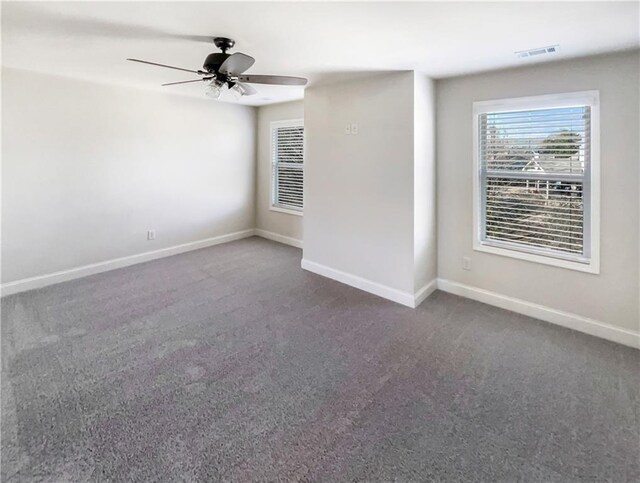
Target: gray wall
[88,168]
[359,189]
[611,296]
[266,219]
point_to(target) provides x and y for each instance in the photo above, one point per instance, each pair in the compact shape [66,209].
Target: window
[287,166]
[536,187]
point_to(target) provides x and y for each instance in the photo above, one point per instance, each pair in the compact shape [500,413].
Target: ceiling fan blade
[53,23]
[247,90]
[199,72]
[281,80]
[208,39]
[236,64]
[187,82]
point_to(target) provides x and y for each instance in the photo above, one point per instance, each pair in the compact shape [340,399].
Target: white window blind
[535,178]
[287,148]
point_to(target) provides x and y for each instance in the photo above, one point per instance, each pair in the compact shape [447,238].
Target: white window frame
[591,205]
[272,160]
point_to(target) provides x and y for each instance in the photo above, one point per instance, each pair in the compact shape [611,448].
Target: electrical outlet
[347,129]
[354,128]
[466,263]
[151,235]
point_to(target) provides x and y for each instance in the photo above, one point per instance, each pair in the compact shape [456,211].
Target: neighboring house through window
[287,166]
[536,181]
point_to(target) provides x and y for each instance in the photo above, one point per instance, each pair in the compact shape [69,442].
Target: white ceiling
[314,40]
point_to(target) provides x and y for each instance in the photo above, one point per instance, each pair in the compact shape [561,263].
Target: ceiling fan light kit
[225,70]
[214,89]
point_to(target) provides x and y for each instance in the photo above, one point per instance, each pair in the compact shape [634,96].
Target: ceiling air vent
[552,49]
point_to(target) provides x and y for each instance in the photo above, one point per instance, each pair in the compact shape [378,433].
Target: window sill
[286,210]
[590,267]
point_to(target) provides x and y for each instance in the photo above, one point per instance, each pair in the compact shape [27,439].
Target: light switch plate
[354,128]
[347,129]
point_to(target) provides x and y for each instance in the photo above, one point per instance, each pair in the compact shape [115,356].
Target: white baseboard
[405,298]
[424,292]
[558,317]
[565,319]
[287,240]
[85,270]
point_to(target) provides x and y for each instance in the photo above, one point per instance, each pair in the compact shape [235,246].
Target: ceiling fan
[226,70]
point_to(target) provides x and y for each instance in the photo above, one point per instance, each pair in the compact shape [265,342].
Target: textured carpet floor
[231,363]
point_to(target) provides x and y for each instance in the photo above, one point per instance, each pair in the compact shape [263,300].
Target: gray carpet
[231,363]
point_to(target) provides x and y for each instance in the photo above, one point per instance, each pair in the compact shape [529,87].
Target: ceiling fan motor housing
[213,61]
